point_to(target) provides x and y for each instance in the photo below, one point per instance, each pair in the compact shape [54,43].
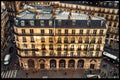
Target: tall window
[65,40]
[80,40]
[33,53]
[23,31]
[43,46]
[25,46]
[72,47]
[78,53]
[31,31]
[88,32]
[32,39]
[99,40]
[79,47]
[71,53]
[73,32]
[51,47]
[50,39]
[24,39]
[59,40]
[42,22]
[101,32]
[26,53]
[87,40]
[50,31]
[94,32]
[33,46]
[59,53]
[85,47]
[42,31]
[98,47]
[81,31]
[65,47]
[43,53]
[91,47]
[59,32]
[66,32]
[42,39]
[93,40]
[59,47]
[72,40]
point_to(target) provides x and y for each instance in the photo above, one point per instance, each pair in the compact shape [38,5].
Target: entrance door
[92,66]
[42,66]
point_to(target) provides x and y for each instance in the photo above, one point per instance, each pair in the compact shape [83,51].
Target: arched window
[71,64]
[80,64]
[31,63]
[52,63]
[62,63]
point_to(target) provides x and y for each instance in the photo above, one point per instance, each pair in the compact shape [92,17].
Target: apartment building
[47,38]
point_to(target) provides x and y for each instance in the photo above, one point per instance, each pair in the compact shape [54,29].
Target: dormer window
[22,23]
[42,22]
[50,22]
[32,23]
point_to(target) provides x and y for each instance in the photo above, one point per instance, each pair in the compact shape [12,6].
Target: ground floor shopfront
[59,63]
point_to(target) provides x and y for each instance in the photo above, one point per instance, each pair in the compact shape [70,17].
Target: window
[32,23]
[98,47]
[91,47]
[85,47]
[115,24]
[78,53]
[59,53]
[73,40]
[23,31]
[42,31]
[65,47]
[50,22]
[51,47]
[65,40]
[59,32]
[24,39]
[33,53]
[33,46]
[72,47]
[43,53]
[80,40]
[110,23]
[87,40]
[22,23]
[88,32]
[97,54]
[66,32]
[91,54]
[99,40]
[65,53]
[73,32]
[31,31]
[50,40]
[26,53]
[50,31]
[59,47]
[43,46]
[18,39]
[73,22]
[42,39]
[32,39]
[93,40]
[42,22]
[94,32]
[52,53]
[81,31]
[79,47]
[101,32]
[111,36]
[25,46]
[71,53]
[59,22]
[59,40]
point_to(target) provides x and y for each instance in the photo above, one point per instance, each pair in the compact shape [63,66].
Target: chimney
[37,15]
[54,12]
[70,15]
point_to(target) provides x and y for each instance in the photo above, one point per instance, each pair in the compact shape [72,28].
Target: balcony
[65,49]
[72,41]
[79,49]
[65,41]
[71,49]
[58,49]
[59,42]
[43,49]
[91,49]
[98,49]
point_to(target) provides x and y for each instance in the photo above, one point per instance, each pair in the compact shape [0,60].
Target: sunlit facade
[54,39]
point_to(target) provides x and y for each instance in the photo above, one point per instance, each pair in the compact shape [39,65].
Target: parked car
[7,59]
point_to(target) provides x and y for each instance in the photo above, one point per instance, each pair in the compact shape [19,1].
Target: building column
[66,65]
[76,62]
[57,63]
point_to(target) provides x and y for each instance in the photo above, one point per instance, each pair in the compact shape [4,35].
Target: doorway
[42,66]
[92,66]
